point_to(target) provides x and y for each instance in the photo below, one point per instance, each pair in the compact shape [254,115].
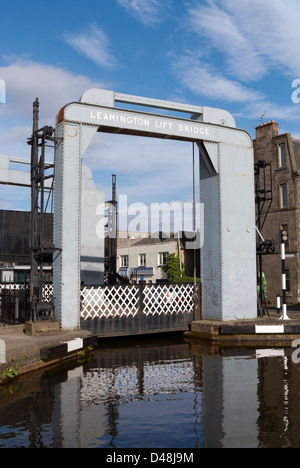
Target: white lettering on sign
[113,117]
[163,124]
[142,122]
[193,129]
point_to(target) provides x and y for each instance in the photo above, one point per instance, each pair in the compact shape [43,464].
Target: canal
[162,393]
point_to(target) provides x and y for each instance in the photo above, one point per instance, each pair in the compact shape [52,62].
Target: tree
[172,268]
[175,273]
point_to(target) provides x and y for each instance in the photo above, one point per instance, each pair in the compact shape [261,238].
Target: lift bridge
[228,256]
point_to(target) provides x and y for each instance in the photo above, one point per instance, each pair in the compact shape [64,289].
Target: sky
[238,56]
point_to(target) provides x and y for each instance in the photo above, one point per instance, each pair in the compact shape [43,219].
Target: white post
[2,352]
[278,305]
[283,276]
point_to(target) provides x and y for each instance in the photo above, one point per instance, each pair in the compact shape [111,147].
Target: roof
[154,241]
[161,238]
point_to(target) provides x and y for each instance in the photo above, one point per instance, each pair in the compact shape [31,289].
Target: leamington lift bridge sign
[228,255]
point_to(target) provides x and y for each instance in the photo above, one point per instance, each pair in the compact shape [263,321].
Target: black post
[34,278]
[283,235]
[115,231]
[141,306]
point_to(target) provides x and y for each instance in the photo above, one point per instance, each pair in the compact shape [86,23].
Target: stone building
[141,256]
[282,151]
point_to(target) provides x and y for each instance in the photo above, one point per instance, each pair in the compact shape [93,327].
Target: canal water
[167,393]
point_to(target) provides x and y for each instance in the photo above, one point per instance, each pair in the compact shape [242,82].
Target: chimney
[267,130]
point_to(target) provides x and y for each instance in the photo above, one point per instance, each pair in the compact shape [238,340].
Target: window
[283,196]
[282,155]
[163,258]
[142,260]
[124,261]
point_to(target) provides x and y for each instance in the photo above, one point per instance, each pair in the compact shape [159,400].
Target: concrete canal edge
[30,347]
[35,346]
[261,332]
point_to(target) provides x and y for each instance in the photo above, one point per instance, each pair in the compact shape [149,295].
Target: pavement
[268,330]
[293,312]
[21,352]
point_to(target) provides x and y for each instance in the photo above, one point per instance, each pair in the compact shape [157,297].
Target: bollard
[278,303]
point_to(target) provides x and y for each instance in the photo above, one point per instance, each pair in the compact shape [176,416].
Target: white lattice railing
[109,301]
[126,301]
[12,286]
[157,377]
[168,299]
[47,291]
[119,301]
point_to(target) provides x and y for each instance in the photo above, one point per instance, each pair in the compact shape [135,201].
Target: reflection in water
[164,394]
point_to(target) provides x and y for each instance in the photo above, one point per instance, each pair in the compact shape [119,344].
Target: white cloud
[148,12]
[14,198]
[254,38]
[203,79]
[54,86]
[243,61]
[272,110]
[234,47]
[94,45]
[147,168]
[272,26]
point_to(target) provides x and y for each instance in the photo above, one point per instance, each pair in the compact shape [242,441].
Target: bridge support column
[228,255]
[73,140]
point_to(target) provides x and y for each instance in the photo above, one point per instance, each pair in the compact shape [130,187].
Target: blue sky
[240,56]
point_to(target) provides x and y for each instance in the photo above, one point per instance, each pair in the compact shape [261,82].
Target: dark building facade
[282,151]
[15,242]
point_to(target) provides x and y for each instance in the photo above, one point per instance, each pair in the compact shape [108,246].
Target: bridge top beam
[107,98]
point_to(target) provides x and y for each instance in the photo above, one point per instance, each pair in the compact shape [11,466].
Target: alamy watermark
[296,353]
[158,219]
[2,92]
[296,93]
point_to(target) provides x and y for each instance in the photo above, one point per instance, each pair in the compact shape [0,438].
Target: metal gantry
[112,221]
[263,201]
[41,247]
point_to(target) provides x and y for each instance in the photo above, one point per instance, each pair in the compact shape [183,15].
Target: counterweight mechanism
[263,201]
[41,247]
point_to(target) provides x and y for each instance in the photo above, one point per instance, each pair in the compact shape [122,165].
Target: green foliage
[10,372]
[85,355]
[190,279]
[172,269]
[175,273]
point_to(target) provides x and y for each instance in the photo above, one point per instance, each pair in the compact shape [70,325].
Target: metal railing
[113,311]
[15,301]
[110,302]
[128,300]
